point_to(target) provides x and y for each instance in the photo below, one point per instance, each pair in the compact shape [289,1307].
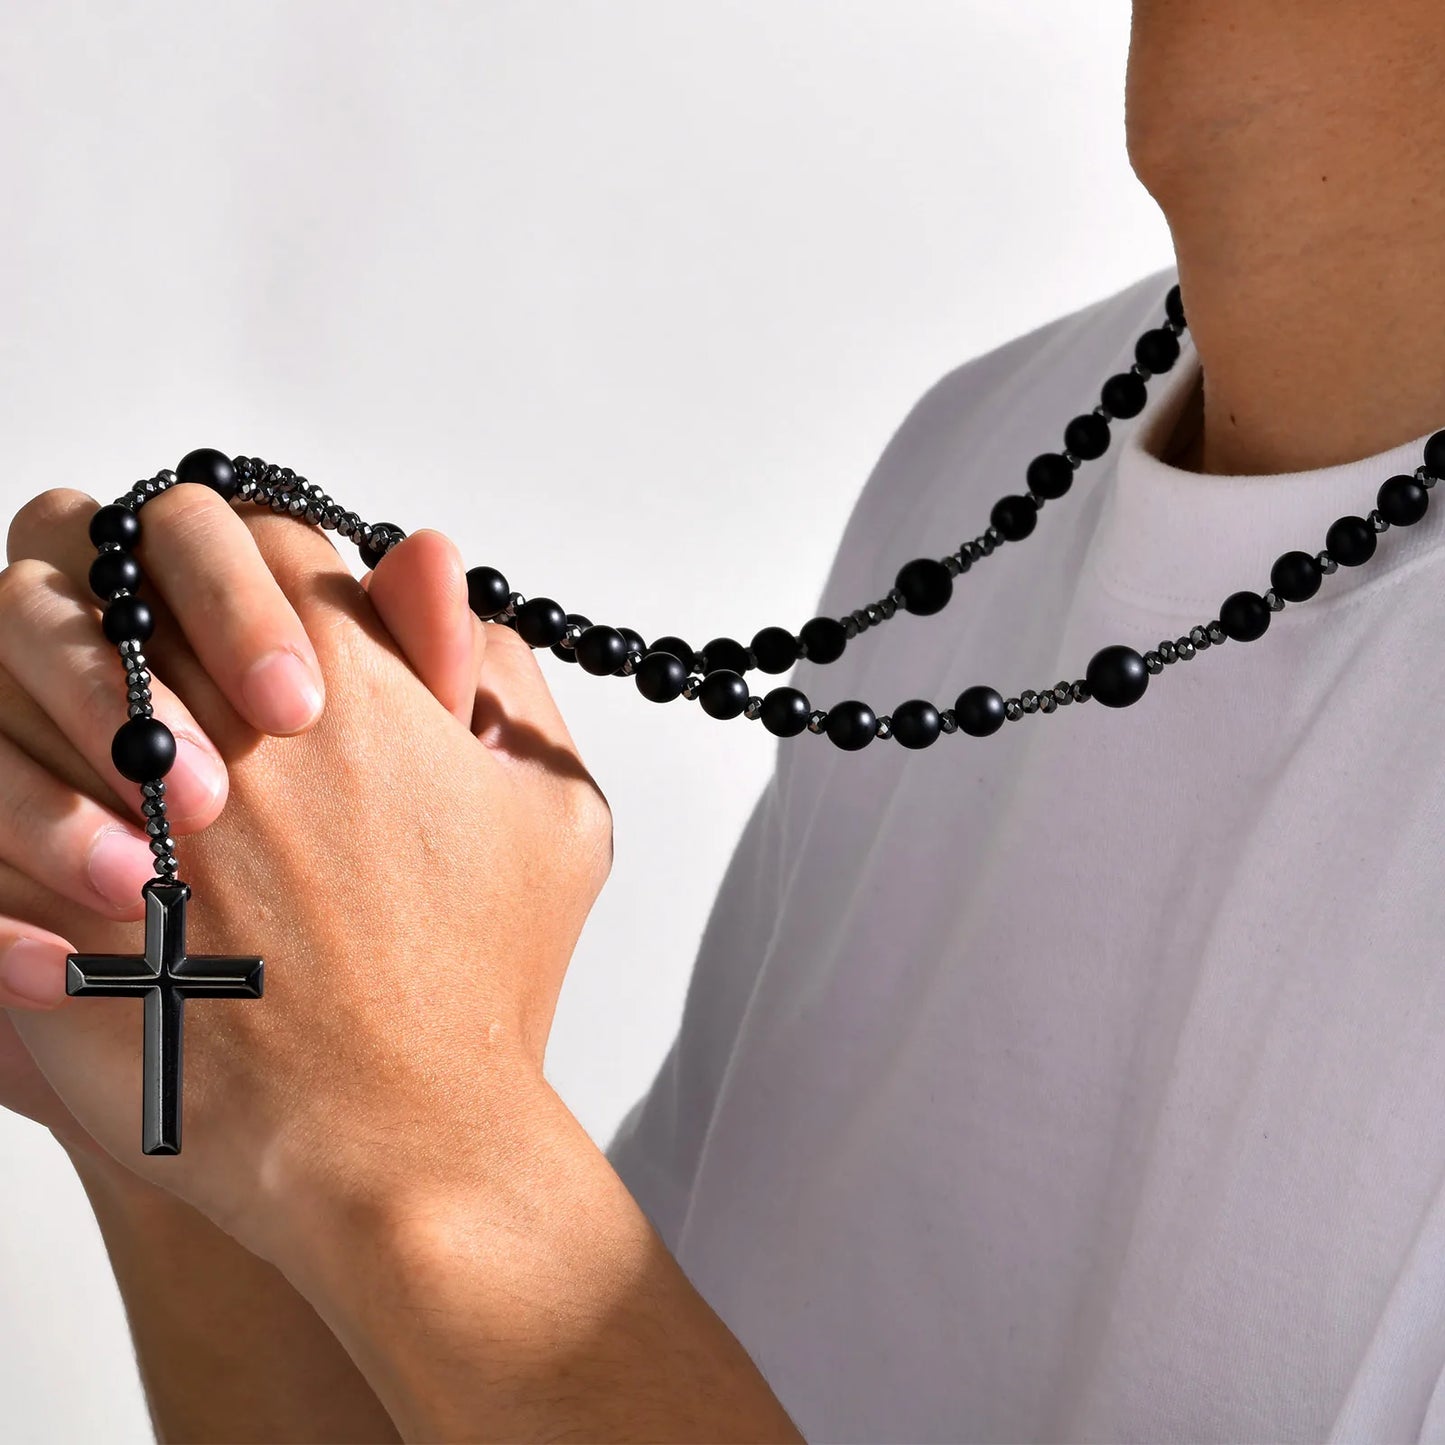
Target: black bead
[634,640]
[1295,576]
[1117,676]
[541,622]
[1402,501]
[1244,616]
[785,712]
[1050,475]
[681,650]
[851,725]
[916,723]
[723,654]
[1350,541]
[601,650]
[775,648]
[112,571]
[208,468]
[1435,455]
[979,711]
[925,584]
[1157,351]
[1174,306]
[824,638]
[1014,517]
[371,554]
[488,592]
[127,619]
[115,525]
[660,677]
[1087,436]
[574,619]
[723,694]
[143,749]
[1124,395]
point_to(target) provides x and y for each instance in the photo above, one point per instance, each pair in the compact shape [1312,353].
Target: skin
[492,1279]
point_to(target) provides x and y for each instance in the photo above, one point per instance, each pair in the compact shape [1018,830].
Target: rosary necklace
[714,676]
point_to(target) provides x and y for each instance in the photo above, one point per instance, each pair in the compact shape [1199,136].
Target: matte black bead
[926,585]
[724,654]
[1350,541]
[541,622]
[115,526]
[634,640]
[1295,576]
[979,710]
[1435,455]
[1157,351]
[127,618]
[1402,501]
[371,553]
[1015,517]
[775,648]
[143,749]
[1087,436]
[660,676]
[1125,395]
[916,723]
[785,712]
[1174,306]
[487,592]
[724,693]
[208,468]
[574,619]
[679,649]
[851,725]
[112,571]
[1117,676]
[824,638]
[1050,475]
[1244,616]
[601,650]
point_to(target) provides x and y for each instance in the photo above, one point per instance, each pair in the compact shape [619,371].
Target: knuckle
[41,516]
[20,582]
[186,513]
[588,821]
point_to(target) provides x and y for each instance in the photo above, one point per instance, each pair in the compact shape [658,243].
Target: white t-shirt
[1087,1081]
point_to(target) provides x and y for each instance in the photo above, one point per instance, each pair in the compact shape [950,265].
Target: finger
[514,709]
[419,590]
[32,966]
[52,646]
[54,528]
[200,556]
[69,842]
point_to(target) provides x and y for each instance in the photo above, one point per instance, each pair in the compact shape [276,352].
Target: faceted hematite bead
[1087,436]
[1274,601]
[724,654]
[127,619]
[1185,648]
[1200,638]
[850,627]
[1402,500]
[1050,475]
[1117,676]
[1029,701]
[692,687]
[577,624]
[947,722]
[1062,695]
[785,712]
[887,606]
[1047,702]
[916,723]
[143,749]
[825,639]
[851,725]
[1326,563]
[979,710]
[1167,651]
[115,526]
[114,571]
[1157,351]
[1295,576]
[775,649]
[1014,517]
[926,585]
[1012,709]
[1245,616]
[1124,395]
[883,728]
[209,468]
[724,693]
[541,622]
[678,648]
[754,710]
[1351,541]
[1153,662]
[384,536]
[487,591]
[601,650]
[660,676]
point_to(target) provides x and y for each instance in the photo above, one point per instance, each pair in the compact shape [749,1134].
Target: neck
[1297,149]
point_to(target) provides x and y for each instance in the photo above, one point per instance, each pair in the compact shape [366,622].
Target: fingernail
[194,781]
[119,864]
[33,971]
[282,692]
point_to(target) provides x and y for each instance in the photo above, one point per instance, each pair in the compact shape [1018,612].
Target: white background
[625,296]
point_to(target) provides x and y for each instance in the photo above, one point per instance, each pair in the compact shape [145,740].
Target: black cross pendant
[165,978]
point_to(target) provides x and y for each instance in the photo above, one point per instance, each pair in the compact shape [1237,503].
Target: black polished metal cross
[165,977]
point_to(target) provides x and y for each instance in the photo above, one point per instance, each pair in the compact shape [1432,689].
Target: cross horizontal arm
[205,975]
[107,975]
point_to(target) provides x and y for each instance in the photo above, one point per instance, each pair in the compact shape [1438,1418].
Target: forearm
[531,1300]
[227,1349]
